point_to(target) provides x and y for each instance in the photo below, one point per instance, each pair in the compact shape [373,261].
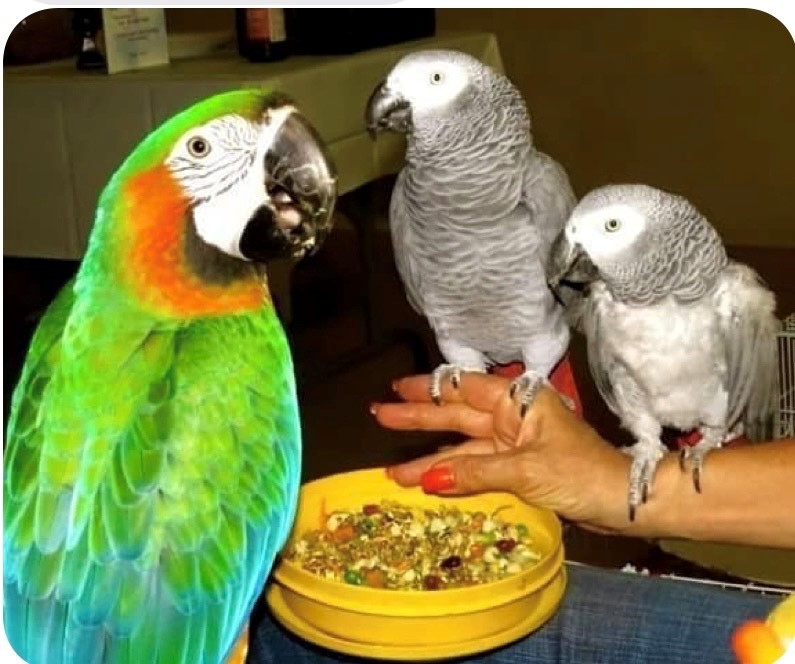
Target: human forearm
[748,495]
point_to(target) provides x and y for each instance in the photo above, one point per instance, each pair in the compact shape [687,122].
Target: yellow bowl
[416,624]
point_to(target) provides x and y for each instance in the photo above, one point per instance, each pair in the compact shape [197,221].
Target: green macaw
[153,449]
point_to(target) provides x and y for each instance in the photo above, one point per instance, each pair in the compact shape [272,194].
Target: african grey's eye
[436,78]
[612,225]
[198,147]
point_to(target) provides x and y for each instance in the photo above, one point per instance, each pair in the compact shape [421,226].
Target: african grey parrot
[473,215]
[678,334]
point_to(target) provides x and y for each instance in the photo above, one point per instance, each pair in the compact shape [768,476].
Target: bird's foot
[645,457]
[525,387]
[696,454]
[440,374]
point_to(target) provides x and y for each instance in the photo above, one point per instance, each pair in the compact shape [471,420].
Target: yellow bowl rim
[550,603]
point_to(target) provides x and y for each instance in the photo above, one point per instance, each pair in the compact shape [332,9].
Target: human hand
[551,458]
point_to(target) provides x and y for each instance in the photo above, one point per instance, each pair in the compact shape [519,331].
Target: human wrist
[605,503]
[740,481]
[661,515]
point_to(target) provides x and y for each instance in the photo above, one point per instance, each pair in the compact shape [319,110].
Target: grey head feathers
[679,252]
[480,100]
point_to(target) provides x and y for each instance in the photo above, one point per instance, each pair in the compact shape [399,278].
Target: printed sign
[134,38]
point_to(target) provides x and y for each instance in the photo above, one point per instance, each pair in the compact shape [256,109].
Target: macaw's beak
[301,187]
[387,110]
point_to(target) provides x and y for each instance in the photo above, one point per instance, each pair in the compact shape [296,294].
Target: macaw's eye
[612,225]
[198,147]
[437,78]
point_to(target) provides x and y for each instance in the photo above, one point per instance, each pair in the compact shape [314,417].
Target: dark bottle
[261,34]
[86,24]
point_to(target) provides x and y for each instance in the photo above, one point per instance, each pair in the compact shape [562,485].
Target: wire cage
[785,416]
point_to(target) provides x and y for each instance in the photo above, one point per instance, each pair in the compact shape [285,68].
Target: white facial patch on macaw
[428,86]
[605,233]
[221,168]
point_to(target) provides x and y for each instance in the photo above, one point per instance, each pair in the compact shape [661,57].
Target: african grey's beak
[301,183]
[387,110]
[569,264]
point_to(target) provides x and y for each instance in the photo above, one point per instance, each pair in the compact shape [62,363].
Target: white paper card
[134,38]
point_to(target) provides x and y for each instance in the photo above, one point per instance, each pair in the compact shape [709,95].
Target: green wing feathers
[151,473]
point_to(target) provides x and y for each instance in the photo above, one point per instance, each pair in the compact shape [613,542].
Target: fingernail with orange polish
[438,478]
[373,408]
[388,472]
[395,386]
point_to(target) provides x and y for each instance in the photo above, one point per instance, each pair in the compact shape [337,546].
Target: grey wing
[400,228]
[549,198]
[748,326]
[600,360]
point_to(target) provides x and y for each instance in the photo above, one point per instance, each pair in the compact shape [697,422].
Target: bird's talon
[441,374]
[682,457]
[697,478]
[631,512]
[697,454]
[645,456]
[525,389]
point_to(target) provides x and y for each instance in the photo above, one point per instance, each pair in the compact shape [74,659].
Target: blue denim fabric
[607,617]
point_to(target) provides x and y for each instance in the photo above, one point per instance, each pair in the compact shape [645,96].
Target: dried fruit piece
[476,551]
[506,545]
[431,582]
[375,578]
[451,562]
[345,533]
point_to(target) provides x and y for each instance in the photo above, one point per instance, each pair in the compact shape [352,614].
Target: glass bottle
[261,34]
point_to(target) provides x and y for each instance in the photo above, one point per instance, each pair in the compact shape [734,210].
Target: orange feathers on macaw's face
[229,184]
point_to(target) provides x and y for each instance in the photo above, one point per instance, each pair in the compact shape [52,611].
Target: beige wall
[698,101]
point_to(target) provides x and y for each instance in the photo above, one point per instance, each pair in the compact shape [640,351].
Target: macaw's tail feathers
[240,651]
[29,625]
[14,618]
